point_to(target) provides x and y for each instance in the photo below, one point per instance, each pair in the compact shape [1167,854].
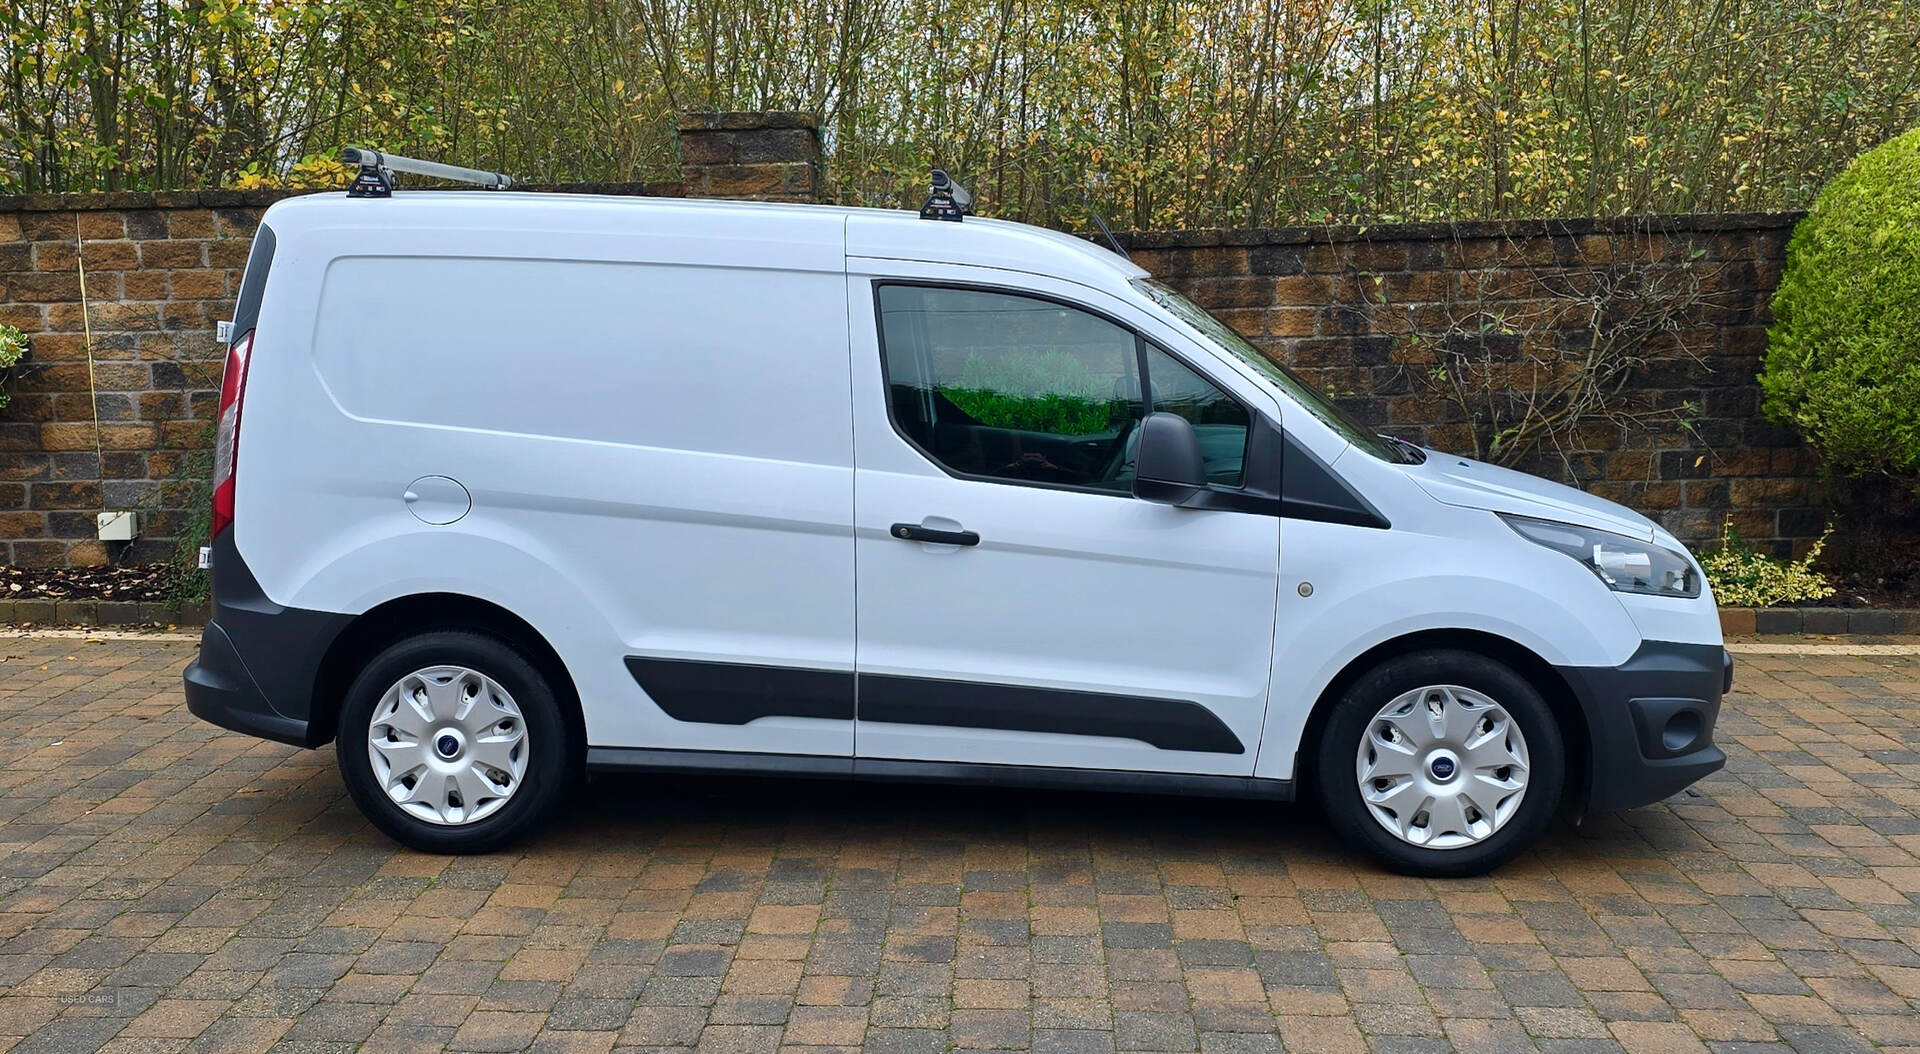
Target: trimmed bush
[1843,357]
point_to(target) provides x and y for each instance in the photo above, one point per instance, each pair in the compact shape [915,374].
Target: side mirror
[1168,468]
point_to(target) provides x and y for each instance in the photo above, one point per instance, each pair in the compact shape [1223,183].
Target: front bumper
[1650,720]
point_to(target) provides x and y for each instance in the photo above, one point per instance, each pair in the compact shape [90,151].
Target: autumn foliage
[1167,113]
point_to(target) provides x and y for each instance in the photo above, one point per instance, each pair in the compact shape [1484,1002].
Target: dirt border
[1765,622]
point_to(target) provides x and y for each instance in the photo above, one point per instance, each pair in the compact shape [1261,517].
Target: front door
[1015,604]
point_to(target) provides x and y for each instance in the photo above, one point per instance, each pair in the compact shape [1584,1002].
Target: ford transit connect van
[515,487]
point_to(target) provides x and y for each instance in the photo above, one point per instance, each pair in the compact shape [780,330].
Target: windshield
[1279,376]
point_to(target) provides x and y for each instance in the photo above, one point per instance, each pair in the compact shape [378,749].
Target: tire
[508,695]
[1473,820]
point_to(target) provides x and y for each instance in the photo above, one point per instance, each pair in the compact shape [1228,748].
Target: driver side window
[1011,387]
[1004,386]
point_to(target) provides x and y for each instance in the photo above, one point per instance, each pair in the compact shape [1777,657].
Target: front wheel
[452,742]
[1441,764]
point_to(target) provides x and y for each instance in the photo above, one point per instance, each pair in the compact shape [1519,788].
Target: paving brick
[1773,907]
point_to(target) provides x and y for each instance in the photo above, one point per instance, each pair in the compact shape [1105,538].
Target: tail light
[226,439]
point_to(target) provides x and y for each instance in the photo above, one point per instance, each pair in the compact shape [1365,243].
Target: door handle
[913,532]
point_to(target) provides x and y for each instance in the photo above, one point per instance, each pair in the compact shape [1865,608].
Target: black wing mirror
[1168,468]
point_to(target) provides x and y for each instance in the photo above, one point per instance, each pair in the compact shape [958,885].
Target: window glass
[1012,387]
[1019,388]
[1302,393]
[1220,422]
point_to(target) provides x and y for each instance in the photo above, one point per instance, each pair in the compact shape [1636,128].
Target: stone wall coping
[1701,222]
[747,121]
[117,201]
[1704,222]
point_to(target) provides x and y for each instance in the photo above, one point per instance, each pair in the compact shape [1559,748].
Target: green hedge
[1050,392]
[1843,357]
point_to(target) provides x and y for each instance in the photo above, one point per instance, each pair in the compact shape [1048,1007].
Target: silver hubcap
[448,745]
[1442,767]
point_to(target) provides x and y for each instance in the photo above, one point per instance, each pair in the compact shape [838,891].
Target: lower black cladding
[1170,724]
[728,693]
[736,693]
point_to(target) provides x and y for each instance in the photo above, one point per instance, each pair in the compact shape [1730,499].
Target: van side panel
[638,354]
[658,454]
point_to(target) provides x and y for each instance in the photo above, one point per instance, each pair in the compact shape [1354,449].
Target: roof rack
[947,200]
[376,173]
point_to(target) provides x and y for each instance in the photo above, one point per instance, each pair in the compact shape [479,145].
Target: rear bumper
[1650,721]
[221,691]
[259,662]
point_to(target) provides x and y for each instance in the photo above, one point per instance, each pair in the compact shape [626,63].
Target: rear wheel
[1441,763]
[452,742]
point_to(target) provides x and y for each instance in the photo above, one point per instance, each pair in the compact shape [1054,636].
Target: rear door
[1015,603]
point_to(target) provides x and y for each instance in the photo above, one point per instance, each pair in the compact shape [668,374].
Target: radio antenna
[1101,222]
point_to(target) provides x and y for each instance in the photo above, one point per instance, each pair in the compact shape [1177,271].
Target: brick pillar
[763,156]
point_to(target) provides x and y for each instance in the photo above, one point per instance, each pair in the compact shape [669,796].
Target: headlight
[1627,565]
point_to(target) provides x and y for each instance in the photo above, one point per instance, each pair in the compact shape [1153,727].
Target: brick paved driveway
[164,886]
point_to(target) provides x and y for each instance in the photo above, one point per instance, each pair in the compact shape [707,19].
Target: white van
[516,487]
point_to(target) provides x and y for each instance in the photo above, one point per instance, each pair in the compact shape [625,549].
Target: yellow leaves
[1203,113]
[311,173]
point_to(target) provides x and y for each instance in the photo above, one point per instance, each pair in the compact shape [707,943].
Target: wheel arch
[395,620]
[1522,660]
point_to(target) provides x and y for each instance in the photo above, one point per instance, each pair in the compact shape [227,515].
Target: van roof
[894,234]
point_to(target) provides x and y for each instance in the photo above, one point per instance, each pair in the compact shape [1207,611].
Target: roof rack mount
[376,173]
[947,200]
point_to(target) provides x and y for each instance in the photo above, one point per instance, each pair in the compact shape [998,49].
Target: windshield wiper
[1407,453]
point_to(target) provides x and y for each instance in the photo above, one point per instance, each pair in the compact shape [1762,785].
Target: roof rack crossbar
[376,172]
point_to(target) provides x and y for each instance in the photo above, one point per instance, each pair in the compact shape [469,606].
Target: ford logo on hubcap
[1443,768]
[448,746]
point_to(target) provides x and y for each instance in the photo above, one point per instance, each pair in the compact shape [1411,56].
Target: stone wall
[1358,311]
[1365,313]
[160,269]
